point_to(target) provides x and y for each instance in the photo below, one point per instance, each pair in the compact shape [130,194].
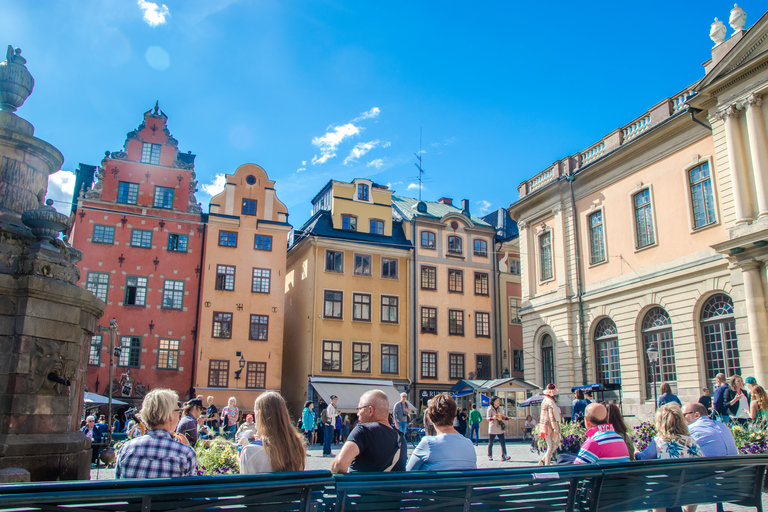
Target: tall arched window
[721,348]
[657,329]
[547,360]
[607,351]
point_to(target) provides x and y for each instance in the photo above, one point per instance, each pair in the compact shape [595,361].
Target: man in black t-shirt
[373,446]
[706,400]
[212,415]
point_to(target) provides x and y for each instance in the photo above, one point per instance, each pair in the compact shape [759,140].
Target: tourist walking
[758,407]
[603,443]
[673,439]
[475,418]
[158,453]
[550,423]
[667,396]
[308,421]
[278,447]
[449,449]
[188,424]
[401,413]
[616,419]
[95,434]
[736,400]
[229,416]
[579,406]
[329,420]
[496,428]
[463,422]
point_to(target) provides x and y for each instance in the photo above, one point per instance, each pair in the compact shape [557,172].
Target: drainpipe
[197,315]
[416,323]
[570,179]
[497,311]
[695,111]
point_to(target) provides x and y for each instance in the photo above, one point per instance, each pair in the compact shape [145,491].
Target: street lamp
[108,456]
[242,365]
[653,358]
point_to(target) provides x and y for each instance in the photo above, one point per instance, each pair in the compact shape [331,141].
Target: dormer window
[349,222]
[150,153]
[454,244]
[362,192]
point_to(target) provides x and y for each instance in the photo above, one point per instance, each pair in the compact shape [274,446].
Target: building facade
[141,233]
[242,301]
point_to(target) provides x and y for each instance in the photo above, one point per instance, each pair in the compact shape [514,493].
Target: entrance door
[483,366]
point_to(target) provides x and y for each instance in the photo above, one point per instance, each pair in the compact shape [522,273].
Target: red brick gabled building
[141,234]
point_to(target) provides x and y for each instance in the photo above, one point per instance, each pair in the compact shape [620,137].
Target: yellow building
[347,302]
[240,324]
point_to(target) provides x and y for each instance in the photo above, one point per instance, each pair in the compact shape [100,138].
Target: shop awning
[94,399]
[349,391]
[493,384]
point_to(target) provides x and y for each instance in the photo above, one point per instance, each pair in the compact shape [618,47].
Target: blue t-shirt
[443,451]
[579,406]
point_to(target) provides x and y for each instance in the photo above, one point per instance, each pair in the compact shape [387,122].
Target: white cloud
[61,187]
[484,207]
[329,142]
[371,114]
[361,148]
[445,142]
[154,14]
[303,162]
[219,181]
[413,186]
[376,164]
[301,169]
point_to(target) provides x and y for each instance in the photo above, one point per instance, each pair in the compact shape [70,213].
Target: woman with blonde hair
[672,441]
[278,447]
[758,408]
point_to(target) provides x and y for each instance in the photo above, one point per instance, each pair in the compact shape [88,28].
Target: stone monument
[46,320]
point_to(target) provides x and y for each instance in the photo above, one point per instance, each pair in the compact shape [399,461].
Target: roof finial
[157,106]
[738,18]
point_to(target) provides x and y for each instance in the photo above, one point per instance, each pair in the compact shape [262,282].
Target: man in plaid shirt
[158,453]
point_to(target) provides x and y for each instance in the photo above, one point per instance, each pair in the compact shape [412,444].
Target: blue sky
[320,90]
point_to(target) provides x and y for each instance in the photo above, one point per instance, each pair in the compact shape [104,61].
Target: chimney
[445,200]
[465,207]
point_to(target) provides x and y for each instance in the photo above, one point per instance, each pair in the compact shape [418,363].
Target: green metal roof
[406,208]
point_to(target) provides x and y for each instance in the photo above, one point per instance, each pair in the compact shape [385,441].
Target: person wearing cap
[750,382]
[247,431]
[188,424]
[329,423]
[550,423]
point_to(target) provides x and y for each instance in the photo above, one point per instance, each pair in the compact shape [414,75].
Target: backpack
[324,416]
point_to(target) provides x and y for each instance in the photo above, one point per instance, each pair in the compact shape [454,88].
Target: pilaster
[734,140]
[758,148]
[757,316]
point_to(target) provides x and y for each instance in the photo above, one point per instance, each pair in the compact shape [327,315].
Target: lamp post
[653,358]
[242,365]
[108,455]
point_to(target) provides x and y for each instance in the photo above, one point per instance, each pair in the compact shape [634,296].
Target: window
[168,355]
[429,365]
[103,234]
[721,346]
[389,309]
[389,268]
[94,356]
[141,238]
[377,227]
[547,360]
[454,245]
[256,375]
[517,360]
[225,277]
[331,356]
[481,247]
[481,283]
[228,238]
[362,192]
[545,255]
[644,219]
[428,278]
[657,330]
[135,291]
[334,261]
[361,307]
[150,153]
[222,325]
[482,325]
[429,320]
[127,193]
[218,374]
[163,198]
[483,366]
[428,239]
[456,366]
[333,303]
[702,199]
[596,238]
[262,243]
[98,283]
[607,352]
[249,207]
[514,311]
[130,353]
[177,243]
[389,358]
[173,294]
[456,322]
[361,357]
[362,264]
[349,222]
[259,328]
[455,281]
[514,267]
[261,277]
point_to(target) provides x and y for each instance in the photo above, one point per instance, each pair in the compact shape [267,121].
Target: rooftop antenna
[418,165]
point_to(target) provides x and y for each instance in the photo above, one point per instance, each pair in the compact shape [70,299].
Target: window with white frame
[150,153]
[702,197]
[98,283]
[173,294]
[135,291]
[103,234]
[261,278]
[644,219]
[141,238]
[163,198]
[596,238]
[130,352]
[94,356]
[168,354]
[545,256]
[362,264]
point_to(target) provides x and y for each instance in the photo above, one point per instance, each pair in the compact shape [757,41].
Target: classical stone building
[654,238]
[140,229]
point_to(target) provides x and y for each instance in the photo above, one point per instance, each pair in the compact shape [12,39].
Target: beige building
[655,238]
[240,326]
[347,301]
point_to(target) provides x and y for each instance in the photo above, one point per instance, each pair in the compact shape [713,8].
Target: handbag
[501,425]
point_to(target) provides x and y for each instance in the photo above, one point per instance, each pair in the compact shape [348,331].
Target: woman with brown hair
[736,400]
[758,408]
[616,419]
[278,447]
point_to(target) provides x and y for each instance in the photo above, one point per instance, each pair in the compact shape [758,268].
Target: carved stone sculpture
[738,18]
[717,32]
[16,83]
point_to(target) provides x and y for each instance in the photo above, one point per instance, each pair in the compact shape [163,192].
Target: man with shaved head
[374,445]
[602,444]
[713,437]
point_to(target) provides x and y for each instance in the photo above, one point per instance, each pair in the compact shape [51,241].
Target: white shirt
[331,412]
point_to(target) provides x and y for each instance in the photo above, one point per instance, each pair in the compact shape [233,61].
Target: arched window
[607,352]
[657,330]
[547,360]
[721,348]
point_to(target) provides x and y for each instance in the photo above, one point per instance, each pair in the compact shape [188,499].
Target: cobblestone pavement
[519,452]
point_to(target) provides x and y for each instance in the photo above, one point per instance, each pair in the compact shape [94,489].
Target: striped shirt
[602,444]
